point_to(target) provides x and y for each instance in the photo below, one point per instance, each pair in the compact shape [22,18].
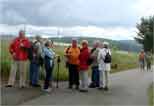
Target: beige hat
[106,43]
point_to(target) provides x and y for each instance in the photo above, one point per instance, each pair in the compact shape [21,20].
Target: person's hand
[13,55]
[21,45]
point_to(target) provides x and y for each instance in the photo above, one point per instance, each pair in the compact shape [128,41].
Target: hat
[106,43]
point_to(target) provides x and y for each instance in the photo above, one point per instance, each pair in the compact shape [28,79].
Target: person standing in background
[142,60]
[19,52]
[148,59]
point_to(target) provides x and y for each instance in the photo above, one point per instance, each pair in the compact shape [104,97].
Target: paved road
[127,88]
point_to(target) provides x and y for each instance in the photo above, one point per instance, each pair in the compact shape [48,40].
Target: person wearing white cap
[104,59]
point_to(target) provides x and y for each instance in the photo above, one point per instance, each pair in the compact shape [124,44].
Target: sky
[111,19]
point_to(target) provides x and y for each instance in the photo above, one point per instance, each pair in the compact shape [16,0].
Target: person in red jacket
[83,66]
[18,50]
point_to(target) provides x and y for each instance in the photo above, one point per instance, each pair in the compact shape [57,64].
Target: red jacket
[84,56]
[19,48]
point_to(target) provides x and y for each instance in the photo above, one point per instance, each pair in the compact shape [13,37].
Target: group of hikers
[145,60]
[78,61]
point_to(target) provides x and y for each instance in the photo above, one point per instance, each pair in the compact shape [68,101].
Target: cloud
[74,12]
[113,19]
[118,33]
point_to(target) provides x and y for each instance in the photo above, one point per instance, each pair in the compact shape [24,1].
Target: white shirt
[101,56]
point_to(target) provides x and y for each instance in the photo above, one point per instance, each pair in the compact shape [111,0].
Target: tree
[146,33]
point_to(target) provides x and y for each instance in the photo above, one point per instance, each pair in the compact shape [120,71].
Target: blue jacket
[49,55]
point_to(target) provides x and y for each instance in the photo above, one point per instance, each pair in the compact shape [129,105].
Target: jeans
[95,76]
[34,73]
[48,69]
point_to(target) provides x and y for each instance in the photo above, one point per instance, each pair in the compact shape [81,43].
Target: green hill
[125,45]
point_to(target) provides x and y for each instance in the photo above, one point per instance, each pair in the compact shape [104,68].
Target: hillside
[126,45]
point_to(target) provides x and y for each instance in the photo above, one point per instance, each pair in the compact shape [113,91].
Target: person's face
[84,45]
[21,34]
[74,43]
[101,45]
[96,45]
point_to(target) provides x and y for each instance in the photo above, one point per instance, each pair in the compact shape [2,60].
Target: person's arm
[99,56]
[11,48]
[26,43]
[49,53]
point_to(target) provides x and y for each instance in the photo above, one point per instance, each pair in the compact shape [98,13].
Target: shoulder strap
[93,50]
[68,49]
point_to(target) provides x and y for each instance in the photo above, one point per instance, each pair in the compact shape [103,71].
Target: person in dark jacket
[94,66]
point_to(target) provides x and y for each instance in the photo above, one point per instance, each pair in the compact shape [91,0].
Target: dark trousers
[34,73]
[148,65]
[95,76]
[73,75]
[48,77]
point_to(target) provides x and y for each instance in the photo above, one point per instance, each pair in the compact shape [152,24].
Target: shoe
[23,87]
[47,90]
[70,87]
[30,83]
[77,87]
[8,86]
[36,85]
[100,88]
[92,85]
[97,86]
[83,90]
[106,88]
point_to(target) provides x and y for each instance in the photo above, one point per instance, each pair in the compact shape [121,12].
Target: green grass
[151,95]
[124,61]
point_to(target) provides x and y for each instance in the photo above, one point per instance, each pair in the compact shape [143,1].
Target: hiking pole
[58,64]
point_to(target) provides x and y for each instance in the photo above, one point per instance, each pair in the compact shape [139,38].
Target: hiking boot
[100,88]
[77,87]
[83,90]
[92,85]
[47,90]
[36,85]
[70,87]
[106,88]
[8,86]
[22,86]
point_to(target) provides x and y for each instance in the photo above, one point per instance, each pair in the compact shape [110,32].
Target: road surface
[128,88]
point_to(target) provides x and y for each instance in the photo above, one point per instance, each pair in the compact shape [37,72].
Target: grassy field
[124,61]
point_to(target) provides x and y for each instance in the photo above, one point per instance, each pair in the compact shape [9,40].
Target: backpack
[34,47]
[107,58]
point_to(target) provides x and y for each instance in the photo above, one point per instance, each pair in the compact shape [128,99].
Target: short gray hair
[84,41]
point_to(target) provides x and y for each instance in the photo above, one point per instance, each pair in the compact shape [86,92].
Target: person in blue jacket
[49,56]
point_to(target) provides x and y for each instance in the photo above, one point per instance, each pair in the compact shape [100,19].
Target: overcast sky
[113,19]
